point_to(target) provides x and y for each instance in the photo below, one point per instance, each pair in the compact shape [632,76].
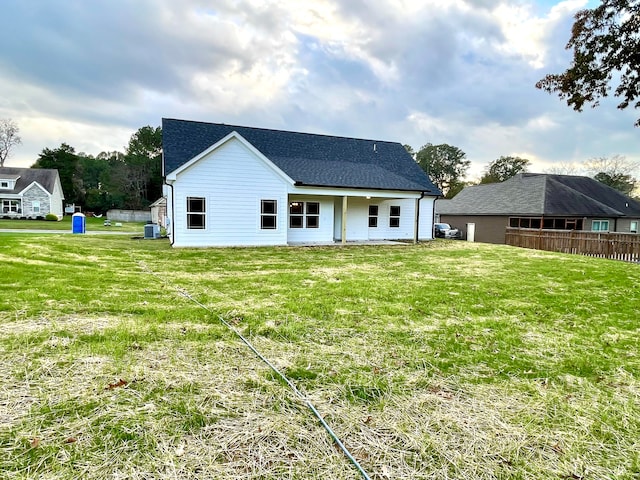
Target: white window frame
[192,214]
[305,215]
[599,224]
[12,206]
[374,211]
[633,226]
[394,218]
[35,206]
[267,214]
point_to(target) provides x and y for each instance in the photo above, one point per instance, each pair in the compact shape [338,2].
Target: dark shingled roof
[541,194]
[308,159]
[44,176]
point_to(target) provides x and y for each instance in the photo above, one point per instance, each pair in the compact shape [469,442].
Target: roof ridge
[282,131]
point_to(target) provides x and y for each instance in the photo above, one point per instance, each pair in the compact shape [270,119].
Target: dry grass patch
[445,360]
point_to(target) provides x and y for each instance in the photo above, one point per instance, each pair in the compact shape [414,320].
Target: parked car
[444,230]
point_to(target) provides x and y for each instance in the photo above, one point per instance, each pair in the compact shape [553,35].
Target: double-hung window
[35,207]
[268,214]
[633,227]
[312,211]
[373,216]
[394,216]
[196,213]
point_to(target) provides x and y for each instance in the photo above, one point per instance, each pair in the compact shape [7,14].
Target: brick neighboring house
[30,193]
[543,201]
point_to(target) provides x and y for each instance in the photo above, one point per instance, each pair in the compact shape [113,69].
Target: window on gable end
[196,213]
[268,214]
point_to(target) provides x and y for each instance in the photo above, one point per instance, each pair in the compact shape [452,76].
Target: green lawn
[92,224]
[441,360]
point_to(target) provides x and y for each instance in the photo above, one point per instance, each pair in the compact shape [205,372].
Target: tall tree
[141,178]
[9,138]
[615,171]
[65,160]
[605,46]
[504,168]
[410,150]
[445,164]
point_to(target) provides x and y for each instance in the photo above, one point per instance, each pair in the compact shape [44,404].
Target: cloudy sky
[462,72]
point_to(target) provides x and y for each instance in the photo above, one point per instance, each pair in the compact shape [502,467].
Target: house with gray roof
[541,201]
[230,185]
[30,193]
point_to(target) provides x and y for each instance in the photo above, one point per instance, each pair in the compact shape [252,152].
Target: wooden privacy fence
[616,246]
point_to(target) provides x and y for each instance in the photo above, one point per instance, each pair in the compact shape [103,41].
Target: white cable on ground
[291,385]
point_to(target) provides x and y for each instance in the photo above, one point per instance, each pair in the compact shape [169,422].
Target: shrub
[51,217]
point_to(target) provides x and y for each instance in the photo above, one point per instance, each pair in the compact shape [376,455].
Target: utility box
[471,232]
[151,231]
[78,223]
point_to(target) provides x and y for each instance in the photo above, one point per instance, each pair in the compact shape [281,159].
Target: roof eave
[299,183]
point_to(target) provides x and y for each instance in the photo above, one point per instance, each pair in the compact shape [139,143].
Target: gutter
[298,183]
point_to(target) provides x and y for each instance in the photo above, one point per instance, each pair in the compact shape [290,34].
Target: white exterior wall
[358,219]
[407,220]
[426,220]
[57,200]
[233,181]
[324,233]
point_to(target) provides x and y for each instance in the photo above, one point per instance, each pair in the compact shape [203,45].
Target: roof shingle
[26,176]
[542,194]
[308,159]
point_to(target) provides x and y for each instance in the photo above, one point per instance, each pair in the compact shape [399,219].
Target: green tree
[504,168]
[615,171]
[96,173]
[410,150]
[65,160]
[445,164]
[141,177]
[623,183]
[605,46]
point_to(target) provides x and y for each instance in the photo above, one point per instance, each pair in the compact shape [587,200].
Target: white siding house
[238,193]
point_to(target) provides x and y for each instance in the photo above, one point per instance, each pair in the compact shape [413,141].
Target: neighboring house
[230,185]
[30,192]
[530,200]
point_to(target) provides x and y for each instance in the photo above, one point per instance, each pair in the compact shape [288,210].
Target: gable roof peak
[309,159]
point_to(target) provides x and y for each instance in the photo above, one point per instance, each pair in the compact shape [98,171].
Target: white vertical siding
[233,181]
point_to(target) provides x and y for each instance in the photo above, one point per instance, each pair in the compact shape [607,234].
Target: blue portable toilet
[77,223]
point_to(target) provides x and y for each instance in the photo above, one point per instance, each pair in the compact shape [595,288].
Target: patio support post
[344,220]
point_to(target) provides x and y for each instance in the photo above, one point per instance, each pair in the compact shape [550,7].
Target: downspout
[433,217]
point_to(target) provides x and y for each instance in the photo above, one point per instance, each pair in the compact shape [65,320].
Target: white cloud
[460,72]
[526,34]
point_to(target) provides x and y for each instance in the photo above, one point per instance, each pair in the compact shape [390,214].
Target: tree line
[126,180]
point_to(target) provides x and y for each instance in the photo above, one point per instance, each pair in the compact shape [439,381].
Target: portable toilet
[78,223]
